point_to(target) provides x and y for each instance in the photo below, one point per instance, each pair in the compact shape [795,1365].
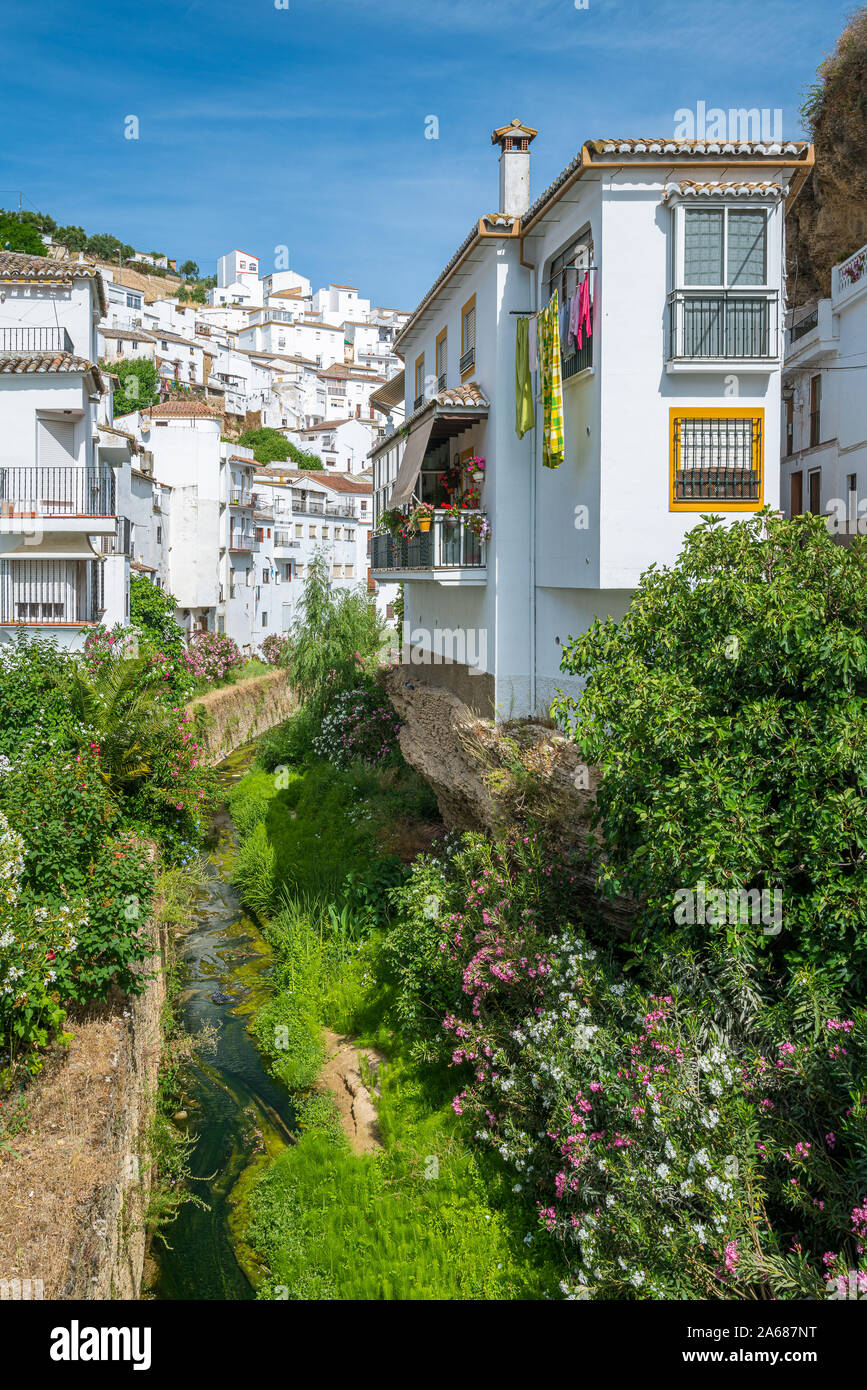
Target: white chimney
[514,141]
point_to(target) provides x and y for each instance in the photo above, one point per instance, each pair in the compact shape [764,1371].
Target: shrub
[276,648]
[727,710]
[33,705]
[360,725]
[290,742]
[210,656]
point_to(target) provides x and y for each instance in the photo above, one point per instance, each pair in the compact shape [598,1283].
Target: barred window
[716,459]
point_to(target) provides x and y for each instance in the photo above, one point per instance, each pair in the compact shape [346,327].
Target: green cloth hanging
[525,415]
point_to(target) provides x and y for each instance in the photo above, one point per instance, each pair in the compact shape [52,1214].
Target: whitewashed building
[57,468]
[670,407]
[824,425]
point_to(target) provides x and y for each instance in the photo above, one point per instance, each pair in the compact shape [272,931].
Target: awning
[410,464]
[56,546]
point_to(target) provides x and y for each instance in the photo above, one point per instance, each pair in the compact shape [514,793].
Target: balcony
[722,326]
[69,494]
[467,361]
[448,552]
[263,506]
[578,360]
[240,539]
[51,593]
[804,325]
[35,340]
[240,497]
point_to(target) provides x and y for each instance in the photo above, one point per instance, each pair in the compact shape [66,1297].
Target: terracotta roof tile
[41,270]
[180,409]
[689,187]
[26,364]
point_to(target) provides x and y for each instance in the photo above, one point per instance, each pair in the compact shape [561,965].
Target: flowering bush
[672,1157]
[276,648]
[361,725]
[210,656]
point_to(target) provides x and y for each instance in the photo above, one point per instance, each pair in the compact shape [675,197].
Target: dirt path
[341,1075]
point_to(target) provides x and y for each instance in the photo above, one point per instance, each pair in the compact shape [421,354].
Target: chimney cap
[515,127]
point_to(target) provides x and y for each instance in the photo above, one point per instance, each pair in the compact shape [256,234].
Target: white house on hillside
[57,470]
[824,454]
[670,255]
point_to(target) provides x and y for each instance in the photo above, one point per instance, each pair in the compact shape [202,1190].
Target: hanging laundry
[585,322]
[533,334]
[551,383]
[574,302]
[525,415]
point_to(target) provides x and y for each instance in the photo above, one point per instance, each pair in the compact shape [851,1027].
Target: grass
[427,1217]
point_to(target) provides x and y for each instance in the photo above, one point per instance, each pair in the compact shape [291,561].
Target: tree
[103,245]
[334,640]
[18,235]
[152,611]
[73,238]
[267,444]
[304,459]
[138,384]
[190,270]
[727,710]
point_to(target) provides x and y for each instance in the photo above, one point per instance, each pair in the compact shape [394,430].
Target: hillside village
[165,491]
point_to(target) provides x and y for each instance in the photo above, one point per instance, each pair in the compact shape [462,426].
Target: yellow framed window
[419,381]
[716,459]
[442,359]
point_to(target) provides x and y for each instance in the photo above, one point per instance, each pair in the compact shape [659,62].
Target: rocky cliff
[829,218]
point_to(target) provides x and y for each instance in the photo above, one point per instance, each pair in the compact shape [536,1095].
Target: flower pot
[478,476]
[424,523]
[450,522]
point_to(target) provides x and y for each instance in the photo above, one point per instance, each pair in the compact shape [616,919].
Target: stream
[241,1117]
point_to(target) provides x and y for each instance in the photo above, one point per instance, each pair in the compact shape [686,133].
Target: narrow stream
[240,1115]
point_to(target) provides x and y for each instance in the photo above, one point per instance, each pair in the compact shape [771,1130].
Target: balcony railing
[467,360]
[578,360]
[240,497]
[723,325]
[241,540]
[447,545]
[64,492]
[318,507]
[804,325]
[45,592]
[31,340]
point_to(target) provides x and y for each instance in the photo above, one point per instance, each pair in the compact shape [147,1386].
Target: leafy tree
[727,710]
[304,459]
[197,295]
[152,611]
[267,444]
[190,270]
[138,385]
[335,639]
[73,238]
[103,245]
[19,235]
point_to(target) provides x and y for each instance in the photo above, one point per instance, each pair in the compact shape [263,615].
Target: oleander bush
[360,725]
[211,656]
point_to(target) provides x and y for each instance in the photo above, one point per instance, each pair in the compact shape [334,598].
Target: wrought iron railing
[240,539]
[468,360]
[578,360]
[804,325]
[449,544]
[32,340]
[42,592]
[723,325]
[70,492]
[717,458]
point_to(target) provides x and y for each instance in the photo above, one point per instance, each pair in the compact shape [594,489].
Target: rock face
[341,1075]
[828,221]
[489,776]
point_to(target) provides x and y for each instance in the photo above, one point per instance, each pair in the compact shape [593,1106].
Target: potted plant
[422,517]
[479,525]
[392,520]
[450,519]
[476,468]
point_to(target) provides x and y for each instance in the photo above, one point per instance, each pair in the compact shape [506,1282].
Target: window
[349,571]
[56,447]
[325,533]
[815,411]
[790,427]
[338,533]
[724,250]
[338,571]
[299,531]
[264,619]
[133,344]
[164,345]
[419,381]
[468,337]
[796,494]
[442,359]
[815,480]
[287,573]
[716,459]
[311,532]
[159,535]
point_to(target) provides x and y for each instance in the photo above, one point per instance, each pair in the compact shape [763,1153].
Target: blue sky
[304,126]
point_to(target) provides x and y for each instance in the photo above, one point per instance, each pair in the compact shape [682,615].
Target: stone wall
[236,714]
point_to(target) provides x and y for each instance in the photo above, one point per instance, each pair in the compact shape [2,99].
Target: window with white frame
[723,305]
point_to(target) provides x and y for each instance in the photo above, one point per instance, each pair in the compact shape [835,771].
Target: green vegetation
[270,446]
[138,385]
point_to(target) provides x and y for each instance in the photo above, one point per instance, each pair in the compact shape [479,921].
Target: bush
[33,705]
[289,743]
[276,648]
[211,656]
[727,710]
[360,725]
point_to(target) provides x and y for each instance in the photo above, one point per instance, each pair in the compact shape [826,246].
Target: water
[240,1115]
